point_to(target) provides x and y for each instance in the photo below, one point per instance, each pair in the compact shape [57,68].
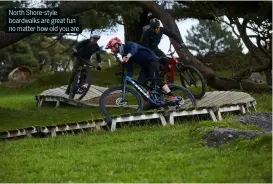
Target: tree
[232,9]
[254,15]
[208,36]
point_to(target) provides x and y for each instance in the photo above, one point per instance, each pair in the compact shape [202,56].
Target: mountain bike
[128,98]
[189,76]
[81,83]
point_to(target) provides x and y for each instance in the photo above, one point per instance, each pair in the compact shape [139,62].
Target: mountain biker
[151,38]
[82,53]
[134,53]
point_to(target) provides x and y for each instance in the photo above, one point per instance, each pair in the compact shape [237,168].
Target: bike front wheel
[193,80]
[86,85]
[74,87]
[188,99]
[112,102]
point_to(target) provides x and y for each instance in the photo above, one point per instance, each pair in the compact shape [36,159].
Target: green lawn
[142,154]
[150,153]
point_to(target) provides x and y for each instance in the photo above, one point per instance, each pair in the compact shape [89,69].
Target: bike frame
[171,66]
[152,98]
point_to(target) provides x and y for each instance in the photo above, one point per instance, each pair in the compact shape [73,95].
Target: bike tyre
[87,80]
[103,108]
[201,79]
[74,87]
[186,91]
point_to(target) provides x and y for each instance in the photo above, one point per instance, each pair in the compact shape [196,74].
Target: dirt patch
[109,100]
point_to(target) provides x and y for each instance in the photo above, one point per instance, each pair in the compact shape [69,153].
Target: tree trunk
[133,31]
[225,83]
[170,24]
[214,82]
[74,7]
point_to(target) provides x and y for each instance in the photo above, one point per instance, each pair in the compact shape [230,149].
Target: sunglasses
[156,28]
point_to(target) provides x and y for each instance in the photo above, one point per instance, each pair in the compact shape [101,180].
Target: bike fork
[124,91]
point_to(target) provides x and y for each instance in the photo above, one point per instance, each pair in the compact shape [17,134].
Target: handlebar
[89,64]
[171,53]
[170,50]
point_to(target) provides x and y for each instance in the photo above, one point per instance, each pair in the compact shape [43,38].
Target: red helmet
[112,42]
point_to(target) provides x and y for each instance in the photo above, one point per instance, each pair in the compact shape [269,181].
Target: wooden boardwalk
[58,95]
[212,104]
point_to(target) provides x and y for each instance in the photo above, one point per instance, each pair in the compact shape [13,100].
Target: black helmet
[154,23]
[95,37]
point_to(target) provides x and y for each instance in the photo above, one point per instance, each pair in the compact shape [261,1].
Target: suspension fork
[124,82]
[182,75]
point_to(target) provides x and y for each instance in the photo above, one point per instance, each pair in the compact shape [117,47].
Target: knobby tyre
[88,81]
[74,87]
[110,102]
[183,92]
[192,75]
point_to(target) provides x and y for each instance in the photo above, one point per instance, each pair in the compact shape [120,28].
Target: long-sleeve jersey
[139,55]
[85,49]
[151,39]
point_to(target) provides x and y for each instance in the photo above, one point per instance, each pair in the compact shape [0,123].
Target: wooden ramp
[213,104]
[58,95]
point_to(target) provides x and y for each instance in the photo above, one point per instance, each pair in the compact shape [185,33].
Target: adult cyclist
[82,53]
[152,36]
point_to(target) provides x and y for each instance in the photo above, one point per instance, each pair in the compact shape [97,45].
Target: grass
[18,105]
[140,154]
[150,153]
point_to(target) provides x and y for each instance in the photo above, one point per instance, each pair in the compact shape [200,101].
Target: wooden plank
[218,100]
[211,96]
[232,100]
[210,99]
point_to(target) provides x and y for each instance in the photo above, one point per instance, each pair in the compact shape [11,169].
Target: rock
[263,119]
[220,136]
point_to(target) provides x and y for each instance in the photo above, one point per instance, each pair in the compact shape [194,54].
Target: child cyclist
[134,53]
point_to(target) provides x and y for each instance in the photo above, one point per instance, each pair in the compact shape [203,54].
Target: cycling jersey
[151,39]
[139,55]
[85,49]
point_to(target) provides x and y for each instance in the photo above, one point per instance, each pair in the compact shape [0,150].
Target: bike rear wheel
[111,102]
[74,90]
[192,79]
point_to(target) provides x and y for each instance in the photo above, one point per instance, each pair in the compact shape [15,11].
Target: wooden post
[212,115]
[219,116]
[163,120]
[171,118]
[57,104]
[113,126]
[41,101]
[243,110]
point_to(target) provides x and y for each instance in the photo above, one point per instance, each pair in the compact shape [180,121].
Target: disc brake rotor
[120,103]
